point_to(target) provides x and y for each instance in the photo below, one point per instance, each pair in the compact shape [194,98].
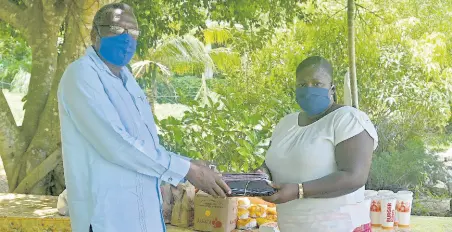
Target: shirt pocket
[126,110]
[143,104]
[144,108]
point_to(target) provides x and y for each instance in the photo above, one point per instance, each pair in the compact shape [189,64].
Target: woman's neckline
[320,119]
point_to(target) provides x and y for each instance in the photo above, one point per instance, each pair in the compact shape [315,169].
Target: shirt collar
[91,53]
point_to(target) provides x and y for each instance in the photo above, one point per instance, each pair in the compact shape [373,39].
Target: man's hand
[286,193]
[207,180]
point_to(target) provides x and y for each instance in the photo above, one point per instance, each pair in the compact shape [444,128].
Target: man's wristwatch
[300,191]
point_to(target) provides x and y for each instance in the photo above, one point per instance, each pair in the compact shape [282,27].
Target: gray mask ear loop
[334,95]
[98,32]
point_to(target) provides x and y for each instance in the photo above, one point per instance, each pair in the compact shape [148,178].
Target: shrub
[230,137]
[410,166]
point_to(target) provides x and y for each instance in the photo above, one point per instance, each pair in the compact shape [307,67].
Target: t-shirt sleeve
[352,122]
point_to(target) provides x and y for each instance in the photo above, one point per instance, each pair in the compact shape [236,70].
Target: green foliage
[227,136]
[181,90]
[158,18]
[411,166]
[183,55]
[14,53]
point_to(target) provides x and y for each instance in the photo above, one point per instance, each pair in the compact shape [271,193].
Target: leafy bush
[229,137]
[15,55]
[180,90]
[410,166]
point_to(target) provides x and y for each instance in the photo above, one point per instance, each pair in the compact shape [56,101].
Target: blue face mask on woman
[119,49]
[313,101]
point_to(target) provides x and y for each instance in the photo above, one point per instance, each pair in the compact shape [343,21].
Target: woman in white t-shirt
[320,158]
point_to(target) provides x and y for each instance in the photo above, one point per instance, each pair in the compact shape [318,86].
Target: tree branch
[9,135]
[28,3]
[372,12]
[39,172]
[61,7]
[12,14]
[54,11]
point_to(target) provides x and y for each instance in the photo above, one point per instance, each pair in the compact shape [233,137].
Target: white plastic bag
[62,205]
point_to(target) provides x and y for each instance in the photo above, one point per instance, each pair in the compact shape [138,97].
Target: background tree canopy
[249,50]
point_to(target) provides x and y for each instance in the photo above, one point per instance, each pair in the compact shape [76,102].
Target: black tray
[249,185]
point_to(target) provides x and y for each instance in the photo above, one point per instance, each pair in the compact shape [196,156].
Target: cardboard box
[215,214]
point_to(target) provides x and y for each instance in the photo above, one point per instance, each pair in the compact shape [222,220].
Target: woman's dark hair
[319,63]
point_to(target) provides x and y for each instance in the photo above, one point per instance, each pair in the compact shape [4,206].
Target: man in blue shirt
[112,158]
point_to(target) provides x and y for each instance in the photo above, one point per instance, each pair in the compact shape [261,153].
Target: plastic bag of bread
[62,204]
[259,201]
[183,210]
[258,211]
[246,224]
[271,211]
[243,202]
[269,227]
[167,197]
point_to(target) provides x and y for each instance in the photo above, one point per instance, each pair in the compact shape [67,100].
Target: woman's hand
[286,193]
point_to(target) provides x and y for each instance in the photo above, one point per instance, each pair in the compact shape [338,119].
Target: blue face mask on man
[312,100]
[119,49]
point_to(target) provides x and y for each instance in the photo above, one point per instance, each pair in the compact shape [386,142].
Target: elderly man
[113,162]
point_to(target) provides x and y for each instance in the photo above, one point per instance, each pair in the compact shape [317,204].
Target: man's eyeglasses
[120,30]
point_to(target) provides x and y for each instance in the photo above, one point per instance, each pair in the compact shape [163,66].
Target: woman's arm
[353,158]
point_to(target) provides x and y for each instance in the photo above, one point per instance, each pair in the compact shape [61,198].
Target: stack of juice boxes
[390,211]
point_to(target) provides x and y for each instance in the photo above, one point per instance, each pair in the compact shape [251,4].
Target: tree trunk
[32,157]
[10,137]
[351,52]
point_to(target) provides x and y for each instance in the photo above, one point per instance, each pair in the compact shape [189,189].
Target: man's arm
[176,155]
[83,97]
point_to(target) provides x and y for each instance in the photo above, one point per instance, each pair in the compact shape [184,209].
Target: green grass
[431,224]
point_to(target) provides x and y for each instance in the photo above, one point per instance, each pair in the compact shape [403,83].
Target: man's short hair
[108,9]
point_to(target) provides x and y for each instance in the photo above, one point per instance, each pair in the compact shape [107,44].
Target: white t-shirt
[303,153]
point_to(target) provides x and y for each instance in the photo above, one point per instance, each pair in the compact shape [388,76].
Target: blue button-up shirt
[113,162]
